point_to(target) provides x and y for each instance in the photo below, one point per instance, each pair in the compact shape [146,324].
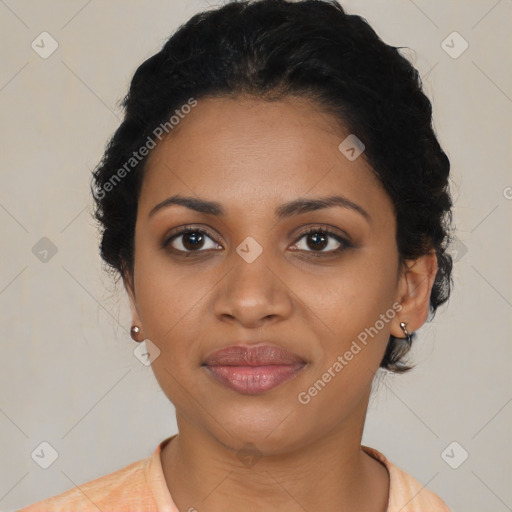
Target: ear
[414,288]
[130,290]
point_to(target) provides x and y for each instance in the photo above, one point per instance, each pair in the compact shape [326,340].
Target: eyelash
[345,244]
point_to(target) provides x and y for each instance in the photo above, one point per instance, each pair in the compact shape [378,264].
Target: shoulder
[126,487]
[406,494]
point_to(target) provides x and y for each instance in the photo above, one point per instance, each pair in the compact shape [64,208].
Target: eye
[190,239]
[321,238]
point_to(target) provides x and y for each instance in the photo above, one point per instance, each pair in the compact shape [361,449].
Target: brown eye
[191,240]
[317,240]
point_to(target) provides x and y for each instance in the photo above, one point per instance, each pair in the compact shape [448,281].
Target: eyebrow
[286,210]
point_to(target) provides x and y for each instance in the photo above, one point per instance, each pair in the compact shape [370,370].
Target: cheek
[355,308]
[353,295]
[351,348]
[164,292]
[168,304]
[173,305]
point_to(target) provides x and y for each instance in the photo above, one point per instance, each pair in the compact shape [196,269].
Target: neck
[330,473]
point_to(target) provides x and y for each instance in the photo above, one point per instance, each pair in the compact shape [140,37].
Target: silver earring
[407,334]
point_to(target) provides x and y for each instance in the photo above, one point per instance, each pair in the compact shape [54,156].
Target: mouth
[253,369]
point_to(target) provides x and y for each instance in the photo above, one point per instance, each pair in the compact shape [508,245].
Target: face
[311,281]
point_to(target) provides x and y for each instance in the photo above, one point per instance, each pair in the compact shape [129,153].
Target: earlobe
[133,309]
[415,288]
[136,328]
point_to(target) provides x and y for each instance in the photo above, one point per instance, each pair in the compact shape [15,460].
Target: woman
[277,205]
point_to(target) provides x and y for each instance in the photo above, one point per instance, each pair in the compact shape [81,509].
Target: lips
[253,369]
[254,355]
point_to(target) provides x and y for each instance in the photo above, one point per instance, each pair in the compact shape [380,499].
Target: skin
[251,156]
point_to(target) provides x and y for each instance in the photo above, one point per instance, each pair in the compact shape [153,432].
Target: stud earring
[134,332]
[407,334]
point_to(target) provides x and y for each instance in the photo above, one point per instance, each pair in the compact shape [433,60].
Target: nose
[252,293]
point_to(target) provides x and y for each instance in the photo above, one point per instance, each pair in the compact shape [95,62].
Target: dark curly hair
[274,49]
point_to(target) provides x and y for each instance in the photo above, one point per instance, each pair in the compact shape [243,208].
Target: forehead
[249,154]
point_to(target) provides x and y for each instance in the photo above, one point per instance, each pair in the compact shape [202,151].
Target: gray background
[68,375]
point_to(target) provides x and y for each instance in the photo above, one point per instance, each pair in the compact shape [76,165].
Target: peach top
[141,487]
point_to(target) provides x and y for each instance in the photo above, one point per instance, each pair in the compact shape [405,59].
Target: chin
[273,431]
